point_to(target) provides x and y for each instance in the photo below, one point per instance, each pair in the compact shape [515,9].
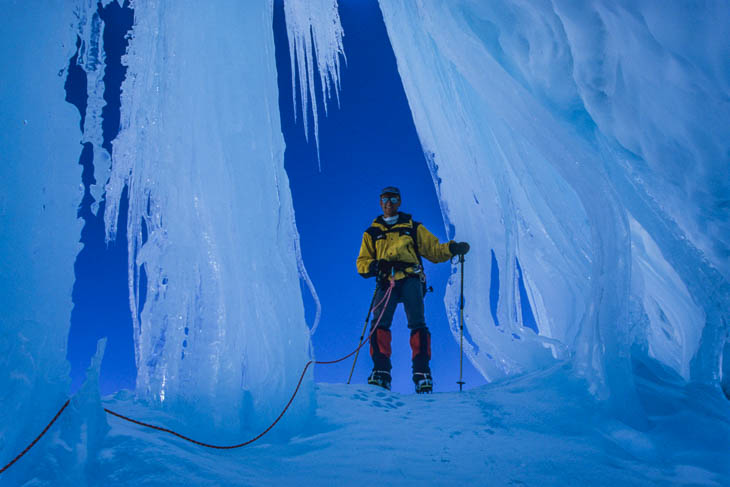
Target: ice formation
[587,141]
[217,310]
[314,33]
[39,231]
[590,142]
[92,60]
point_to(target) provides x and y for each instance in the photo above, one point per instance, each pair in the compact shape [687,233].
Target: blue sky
[367,143]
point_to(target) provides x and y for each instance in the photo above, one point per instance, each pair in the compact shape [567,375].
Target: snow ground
[541,429]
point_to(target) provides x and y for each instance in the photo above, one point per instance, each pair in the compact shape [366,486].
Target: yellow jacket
[395,243]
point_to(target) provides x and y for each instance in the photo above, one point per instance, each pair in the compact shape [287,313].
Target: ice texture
[39,233]
[217,311]
[589,141]
[70,451]
[91,59]
[314,32]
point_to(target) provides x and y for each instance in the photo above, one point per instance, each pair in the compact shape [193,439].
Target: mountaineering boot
[423,381]
[380,378]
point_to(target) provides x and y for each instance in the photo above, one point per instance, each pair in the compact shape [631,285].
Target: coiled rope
[385,299]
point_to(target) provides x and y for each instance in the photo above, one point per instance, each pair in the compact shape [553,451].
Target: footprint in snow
[386,405]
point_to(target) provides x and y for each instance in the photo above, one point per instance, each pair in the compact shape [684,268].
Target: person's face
[390,208]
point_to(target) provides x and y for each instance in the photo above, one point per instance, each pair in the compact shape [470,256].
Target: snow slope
[540,429]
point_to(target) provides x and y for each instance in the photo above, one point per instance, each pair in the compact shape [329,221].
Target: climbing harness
[411,231]
[384,301]
[461,326]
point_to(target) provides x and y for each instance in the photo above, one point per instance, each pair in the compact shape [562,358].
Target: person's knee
[416,317]
[383,325]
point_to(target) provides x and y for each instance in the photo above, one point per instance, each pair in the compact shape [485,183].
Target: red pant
[408,291]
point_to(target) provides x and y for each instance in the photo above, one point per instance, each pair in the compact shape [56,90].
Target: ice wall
[39,231]
[590,141]
[218,316]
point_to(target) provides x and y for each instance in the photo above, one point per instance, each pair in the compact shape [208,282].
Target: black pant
[408,291]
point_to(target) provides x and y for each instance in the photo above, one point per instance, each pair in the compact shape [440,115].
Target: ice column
[217,311]
[39,195]
[92,60]
[590,142]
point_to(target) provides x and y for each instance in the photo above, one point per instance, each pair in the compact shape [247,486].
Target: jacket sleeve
[366,256]
[430,247]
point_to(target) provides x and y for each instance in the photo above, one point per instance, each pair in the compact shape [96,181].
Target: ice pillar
[39,232]
[217,310]
[590,142]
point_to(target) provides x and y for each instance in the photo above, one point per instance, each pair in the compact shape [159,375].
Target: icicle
[314,30]
[305,277]
[93,61]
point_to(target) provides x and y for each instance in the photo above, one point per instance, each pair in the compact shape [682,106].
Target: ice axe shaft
[362,335]
[461,327]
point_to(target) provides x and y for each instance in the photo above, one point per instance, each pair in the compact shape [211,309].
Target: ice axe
[362,335]
[461,326]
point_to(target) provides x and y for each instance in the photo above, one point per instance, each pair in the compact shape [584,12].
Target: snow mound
[542,428]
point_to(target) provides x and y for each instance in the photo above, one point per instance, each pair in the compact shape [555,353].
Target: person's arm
[430,247]
[366,264]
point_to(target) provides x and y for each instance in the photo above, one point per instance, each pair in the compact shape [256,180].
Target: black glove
[380,268]
[458,248]
[384,267]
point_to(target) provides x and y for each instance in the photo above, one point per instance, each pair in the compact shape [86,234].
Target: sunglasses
[392,199]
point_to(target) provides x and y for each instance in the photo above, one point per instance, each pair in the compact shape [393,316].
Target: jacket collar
[402,218]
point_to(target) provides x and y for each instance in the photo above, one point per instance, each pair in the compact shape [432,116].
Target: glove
[379,268]
[384,267]
[373,269]
[458,248]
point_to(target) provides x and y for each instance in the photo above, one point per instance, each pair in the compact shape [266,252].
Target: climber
[391,249]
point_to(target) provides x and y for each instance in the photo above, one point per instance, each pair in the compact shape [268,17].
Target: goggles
[392,199]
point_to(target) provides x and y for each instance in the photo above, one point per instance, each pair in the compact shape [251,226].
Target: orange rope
[37,438]
[386,298]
